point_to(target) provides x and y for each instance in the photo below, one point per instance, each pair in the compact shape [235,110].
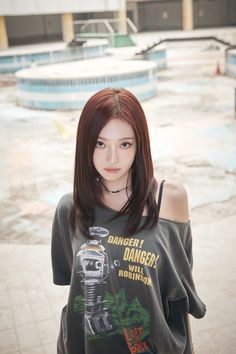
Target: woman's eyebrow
[128,138]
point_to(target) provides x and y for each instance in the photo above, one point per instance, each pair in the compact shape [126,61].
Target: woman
[122,241]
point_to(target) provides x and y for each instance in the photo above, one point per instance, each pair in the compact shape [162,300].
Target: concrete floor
[193,135]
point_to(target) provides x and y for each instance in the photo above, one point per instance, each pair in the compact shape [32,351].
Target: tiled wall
[15,62]
[53,94]
[231,63]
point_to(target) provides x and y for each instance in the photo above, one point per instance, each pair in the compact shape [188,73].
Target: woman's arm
[175,207]
[174,204]
[190,334]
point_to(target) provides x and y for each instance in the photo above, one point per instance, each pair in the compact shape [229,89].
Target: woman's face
[114,153]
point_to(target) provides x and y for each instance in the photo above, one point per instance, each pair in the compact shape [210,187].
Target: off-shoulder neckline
[174,221]
[162,219]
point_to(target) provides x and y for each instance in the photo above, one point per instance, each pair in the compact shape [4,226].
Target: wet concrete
[193,135]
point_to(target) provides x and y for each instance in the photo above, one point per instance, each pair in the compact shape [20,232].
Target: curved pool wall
[68,86]
[158,56]
[25,58]
[231,63]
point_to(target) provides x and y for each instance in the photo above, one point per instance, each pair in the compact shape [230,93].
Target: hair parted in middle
[103,106]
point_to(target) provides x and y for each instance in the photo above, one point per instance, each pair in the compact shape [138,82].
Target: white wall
[30,7]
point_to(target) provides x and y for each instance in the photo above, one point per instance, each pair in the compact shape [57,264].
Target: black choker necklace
[119,190]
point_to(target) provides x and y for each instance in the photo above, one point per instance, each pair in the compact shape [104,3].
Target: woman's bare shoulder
[174,205]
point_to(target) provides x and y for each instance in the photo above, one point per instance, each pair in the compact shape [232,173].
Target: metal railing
[156,44]
[111,25]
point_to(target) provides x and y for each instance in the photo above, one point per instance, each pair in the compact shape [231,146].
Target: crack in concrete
[206,213]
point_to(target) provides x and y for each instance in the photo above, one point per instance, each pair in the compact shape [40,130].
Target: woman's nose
[112,155]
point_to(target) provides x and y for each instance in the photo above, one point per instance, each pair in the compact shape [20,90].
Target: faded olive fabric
[128,293]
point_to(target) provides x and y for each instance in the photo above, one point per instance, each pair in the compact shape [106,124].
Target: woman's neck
[116,186]
[116,200]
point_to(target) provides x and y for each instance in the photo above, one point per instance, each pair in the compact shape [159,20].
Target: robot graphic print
[93,268]
[107,309]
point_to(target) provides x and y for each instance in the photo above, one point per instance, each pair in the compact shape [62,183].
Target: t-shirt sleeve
[179,294]
[195,306]
[177,264]
[61,248]
[186,237]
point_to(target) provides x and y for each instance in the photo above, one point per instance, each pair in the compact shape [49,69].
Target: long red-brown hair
[107,104]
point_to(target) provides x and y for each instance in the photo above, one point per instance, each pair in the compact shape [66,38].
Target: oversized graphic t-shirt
[129,294]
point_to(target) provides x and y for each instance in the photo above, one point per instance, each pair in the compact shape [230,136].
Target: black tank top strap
[160,196]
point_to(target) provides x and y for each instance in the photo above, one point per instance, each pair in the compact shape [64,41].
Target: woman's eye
[100,144]
[125,145]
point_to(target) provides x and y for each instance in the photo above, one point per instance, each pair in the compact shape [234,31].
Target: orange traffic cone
[218,71]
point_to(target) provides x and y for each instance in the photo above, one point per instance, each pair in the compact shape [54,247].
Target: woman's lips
[112,170]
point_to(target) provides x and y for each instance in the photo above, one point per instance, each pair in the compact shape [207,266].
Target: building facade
[34,21]
[169,14]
